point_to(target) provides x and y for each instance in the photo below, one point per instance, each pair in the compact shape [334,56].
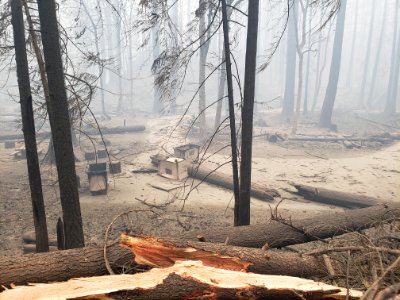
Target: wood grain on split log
[277,234]
[184,280]
[258,190]
[63,265]
[164,253]
[336,198]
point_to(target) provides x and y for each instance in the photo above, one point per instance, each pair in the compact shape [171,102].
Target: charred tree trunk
[28,127]
[242,209]
[61,126]
[331,90]
[227,56]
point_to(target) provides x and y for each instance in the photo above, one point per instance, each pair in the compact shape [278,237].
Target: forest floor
[369,168]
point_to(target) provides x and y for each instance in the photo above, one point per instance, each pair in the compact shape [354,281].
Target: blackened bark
[330,95]
[60,125]
[227,55]
[242,210]
[28,127]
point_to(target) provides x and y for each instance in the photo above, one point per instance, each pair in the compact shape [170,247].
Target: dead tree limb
[321,195]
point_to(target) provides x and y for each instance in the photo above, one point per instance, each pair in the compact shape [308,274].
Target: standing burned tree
[330,95]
[28,127]
[247,114]
[61,126]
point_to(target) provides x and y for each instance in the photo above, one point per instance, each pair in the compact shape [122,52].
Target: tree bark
[60,125]
[232,122]
[28,127]
[284,233]
[86,262]
[257,190]
[331,90]
[184,280]
[336,198]
[61,265]
[242,209]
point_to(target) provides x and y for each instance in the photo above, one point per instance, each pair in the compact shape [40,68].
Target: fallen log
[55,266]
[115,130]
[184,280]
[91,131]
[60,265]
[159,253]
[258,191]
[63,265]
[283,233]
[331,197]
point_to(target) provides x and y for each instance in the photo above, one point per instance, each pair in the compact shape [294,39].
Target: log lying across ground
[258,190]
[336,198]
[92,131]
[60,265]
[279,234]
[63,265]
[184,280]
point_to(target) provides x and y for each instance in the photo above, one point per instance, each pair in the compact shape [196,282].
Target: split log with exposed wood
[63,265]
[290,232]
[331,197]
[258,190]
[184,280]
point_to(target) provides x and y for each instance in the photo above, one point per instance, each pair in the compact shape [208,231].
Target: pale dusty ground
[373,170]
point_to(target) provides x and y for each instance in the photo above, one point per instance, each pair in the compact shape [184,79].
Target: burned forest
[199,149]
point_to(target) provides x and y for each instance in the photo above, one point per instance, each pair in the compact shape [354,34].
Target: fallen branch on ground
[337,198]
